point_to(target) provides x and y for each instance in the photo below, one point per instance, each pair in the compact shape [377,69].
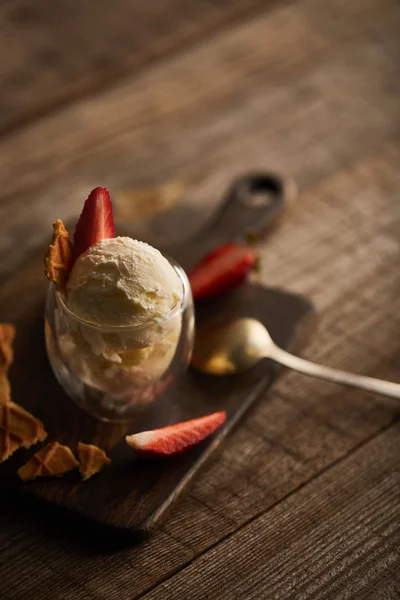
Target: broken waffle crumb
[51,461]
[58,258]
[18,429]
[92,458]
[5,392]
[7,334]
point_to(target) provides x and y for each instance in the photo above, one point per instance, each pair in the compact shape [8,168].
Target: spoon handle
[371,384]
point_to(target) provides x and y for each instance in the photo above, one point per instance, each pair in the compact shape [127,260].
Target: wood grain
[310,89]
[264,106]
[350,512]
[79,48]
[301,429]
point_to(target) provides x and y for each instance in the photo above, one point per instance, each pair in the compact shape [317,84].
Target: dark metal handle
[253,204]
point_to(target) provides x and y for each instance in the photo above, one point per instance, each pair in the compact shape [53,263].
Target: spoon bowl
[233,347]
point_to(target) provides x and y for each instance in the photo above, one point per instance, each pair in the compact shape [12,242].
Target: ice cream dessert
[118,310]
[120,282]
[123,292]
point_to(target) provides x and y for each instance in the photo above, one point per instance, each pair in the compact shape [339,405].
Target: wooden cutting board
[133,494]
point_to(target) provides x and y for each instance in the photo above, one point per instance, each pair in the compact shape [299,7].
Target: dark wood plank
[350,513]
[327,113]
[302,428]
[142,491]
[299,430]
[58,52]
[306,113]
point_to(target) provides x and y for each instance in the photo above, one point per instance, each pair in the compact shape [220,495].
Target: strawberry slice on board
[176,438]
[221,270]
[96,221]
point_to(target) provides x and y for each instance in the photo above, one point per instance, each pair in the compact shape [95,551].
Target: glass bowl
[115,372]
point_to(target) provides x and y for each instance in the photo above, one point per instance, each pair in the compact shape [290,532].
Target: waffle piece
[58,258]
[5,392]
[51,461]
[18,429]
[92,458]
[7,334]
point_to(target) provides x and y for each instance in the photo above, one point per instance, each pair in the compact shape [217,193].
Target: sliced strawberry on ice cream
[175,439]
[96,221]
[221,270]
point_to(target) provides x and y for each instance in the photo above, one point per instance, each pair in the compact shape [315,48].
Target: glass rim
[176,310]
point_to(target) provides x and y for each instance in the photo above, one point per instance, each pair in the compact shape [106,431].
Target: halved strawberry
[96,221]
[177,438]
[221,270]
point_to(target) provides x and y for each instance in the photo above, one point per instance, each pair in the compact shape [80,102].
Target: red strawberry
[221,270]
[96,221]
[177,438]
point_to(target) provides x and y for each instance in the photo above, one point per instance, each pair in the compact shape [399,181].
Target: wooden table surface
[303,501]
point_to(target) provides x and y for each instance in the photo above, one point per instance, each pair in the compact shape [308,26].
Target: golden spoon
[239,345]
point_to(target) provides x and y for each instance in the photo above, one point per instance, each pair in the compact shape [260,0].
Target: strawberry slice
[96,221]
[175,439]
[221,270]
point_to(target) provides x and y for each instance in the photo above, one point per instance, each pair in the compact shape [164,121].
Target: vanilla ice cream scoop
[121,282]
[126,291]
